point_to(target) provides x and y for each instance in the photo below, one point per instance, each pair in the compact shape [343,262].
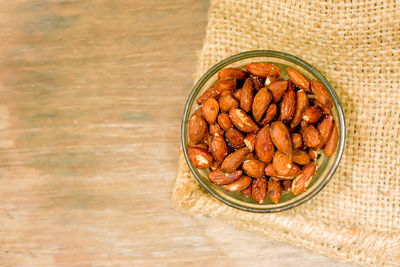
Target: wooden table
[92,94]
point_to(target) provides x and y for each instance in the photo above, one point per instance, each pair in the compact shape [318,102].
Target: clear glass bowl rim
[264,53]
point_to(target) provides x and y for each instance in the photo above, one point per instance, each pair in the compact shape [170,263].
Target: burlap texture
[356,45]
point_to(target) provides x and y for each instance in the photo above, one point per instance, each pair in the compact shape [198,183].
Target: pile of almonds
[261,134]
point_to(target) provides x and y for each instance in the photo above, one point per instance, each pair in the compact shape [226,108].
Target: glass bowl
[326,166]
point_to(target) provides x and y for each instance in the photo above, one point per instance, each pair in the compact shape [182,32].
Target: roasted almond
[259,190]
[207,138]
[200,145]
[300,157]
[226,102]
[262,70]
[281,138]
[250,156]
[214,165]
[260,103]
[242,121]
[277,89]
[297,141]
[325,127]
[250,141]
[237,94]
[218,148]
[270,114]
[246,99]
[287,185]
[235,138]
[224,121]
[197,129]
[298,79]
[216,130]
[200,158]
[321,93]
[257,83]
[288,105]
[225,85]
[274,190]
[270,79]
[235,73]
[312,114]
[282,163]
[301,105]
[311,137]
[253,168]
[210,110]
[240,184]
[301,182]
[327,111]
[247,192]
[197,112]
[330,146]
[234,160]
[211,92]
[264,147]
[313,154]
[219,177]
[270,171]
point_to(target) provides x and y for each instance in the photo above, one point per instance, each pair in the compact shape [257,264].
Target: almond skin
[288,105]
[311,137]
[260,103]
[287,185]
[259,190]
[270,114]
[263,70]
[219,177]
[282,163]
[216,130]
[234,160]
[298,79]
[226,102]
[214,166]
[330,146]
[247,192]
[218,148]
[240,184]
[274,190]
[253,168]
[224,121]
[300,157]
[200,158]
[242,121]
[201,145]
[225,85]
[235,73]
[235,138]
[197,112]
[312,114]
[246,99]
[301,182]
[297,141]
[277,89]
[250,141]
[264,147]
[197,129]
[210,110]
[301,105]
[237,94]
[281,138]
[321,93]
[325,127]
[211,92]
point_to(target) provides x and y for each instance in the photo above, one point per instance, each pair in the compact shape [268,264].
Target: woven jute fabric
[356,45]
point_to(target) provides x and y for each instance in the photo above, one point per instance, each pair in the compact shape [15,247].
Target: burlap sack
[356,45]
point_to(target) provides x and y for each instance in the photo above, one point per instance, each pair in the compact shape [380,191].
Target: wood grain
[92,94]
